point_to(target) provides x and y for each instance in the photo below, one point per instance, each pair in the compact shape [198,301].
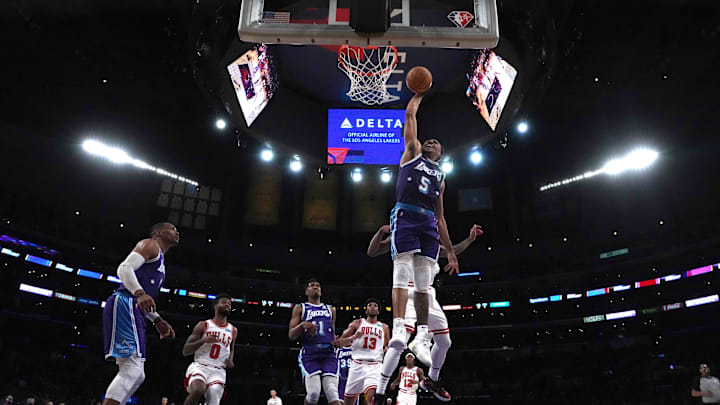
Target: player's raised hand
[452,267]
[475,231]
[164,330]
[145,302]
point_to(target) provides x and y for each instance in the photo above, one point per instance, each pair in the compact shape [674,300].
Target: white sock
[434,373]
[422,332]
[399,325]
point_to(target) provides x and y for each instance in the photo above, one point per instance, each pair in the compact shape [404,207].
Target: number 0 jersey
[419,183]
[215,354]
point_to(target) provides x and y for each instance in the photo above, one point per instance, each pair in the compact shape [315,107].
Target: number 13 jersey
[370,342]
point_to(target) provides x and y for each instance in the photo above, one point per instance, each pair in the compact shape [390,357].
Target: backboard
[465,24]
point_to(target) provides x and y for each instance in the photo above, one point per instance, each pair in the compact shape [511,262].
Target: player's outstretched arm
[379,244]
[452,266]
[297,328]
[475,231]
[195,340]
[412,145]
[348,334]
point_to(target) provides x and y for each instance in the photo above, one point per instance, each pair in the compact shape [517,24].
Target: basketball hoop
[368,70]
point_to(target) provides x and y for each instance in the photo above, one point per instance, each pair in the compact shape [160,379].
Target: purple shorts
[123,327]
[318,361]
[412,231]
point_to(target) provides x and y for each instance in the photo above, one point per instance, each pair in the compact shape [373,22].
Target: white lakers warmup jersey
[408,380]
[370,342]
[215,354]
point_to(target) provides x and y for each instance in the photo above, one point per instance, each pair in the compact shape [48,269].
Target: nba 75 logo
[460,18]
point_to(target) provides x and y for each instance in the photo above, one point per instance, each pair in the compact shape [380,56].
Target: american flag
[277,17]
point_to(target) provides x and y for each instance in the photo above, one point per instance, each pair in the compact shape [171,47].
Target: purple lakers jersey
[321,317]
[151,276]
[419,182]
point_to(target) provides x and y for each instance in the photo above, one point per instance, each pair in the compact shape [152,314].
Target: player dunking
[213,344]
[409,378]
[416,223]
[368,338]
[142,274]
[314,324]
[380,244]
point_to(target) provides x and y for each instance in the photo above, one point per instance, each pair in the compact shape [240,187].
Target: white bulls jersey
[408,380]
[215,354]
[371,341]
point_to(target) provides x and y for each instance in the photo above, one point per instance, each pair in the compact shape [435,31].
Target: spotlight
[220,123]
[267,155]
[446,166]
[522,127]
[119,156]
[476,157]
[661,222]
[385,176]
[356,175]
[296,164]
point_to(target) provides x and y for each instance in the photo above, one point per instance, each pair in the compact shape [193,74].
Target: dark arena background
[595,280]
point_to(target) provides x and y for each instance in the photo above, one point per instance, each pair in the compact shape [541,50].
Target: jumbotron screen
[491,80]
[370,137]
[252,77]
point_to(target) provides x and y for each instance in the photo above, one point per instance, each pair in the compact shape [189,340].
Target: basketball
[419,79]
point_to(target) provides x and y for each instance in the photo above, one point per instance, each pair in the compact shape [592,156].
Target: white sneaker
[420,346]
[398,339]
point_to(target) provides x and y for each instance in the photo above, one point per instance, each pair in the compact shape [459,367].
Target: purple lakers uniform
[317,355]
[123,322]
[413,226]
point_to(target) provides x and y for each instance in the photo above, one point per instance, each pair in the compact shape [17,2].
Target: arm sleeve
[126,271]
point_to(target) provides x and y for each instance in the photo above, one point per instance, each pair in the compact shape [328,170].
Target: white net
[368,70]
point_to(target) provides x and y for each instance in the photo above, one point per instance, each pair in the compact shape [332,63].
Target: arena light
[119,156]
[701,301]
[385,176]
[9,252]
[89,274]
[476,157]
[63,267]
[220,123]
[36,290]
[522,127]
[295,164]
[267,155]
[620,315]
[38,260]
[637,159]
[356,175]
[446,166]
